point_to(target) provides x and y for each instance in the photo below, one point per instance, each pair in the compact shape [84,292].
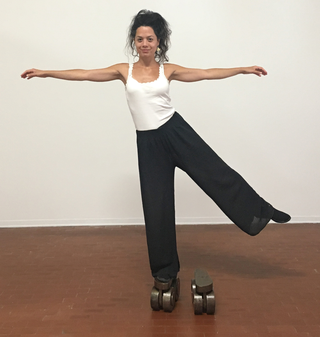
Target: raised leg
[235,197]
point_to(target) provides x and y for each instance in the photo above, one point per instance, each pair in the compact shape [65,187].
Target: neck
[147,62]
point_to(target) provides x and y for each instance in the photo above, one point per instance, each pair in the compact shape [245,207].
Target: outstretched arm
[179,73]
[115,72]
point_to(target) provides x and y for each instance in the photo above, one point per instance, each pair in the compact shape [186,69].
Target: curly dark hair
[160,27]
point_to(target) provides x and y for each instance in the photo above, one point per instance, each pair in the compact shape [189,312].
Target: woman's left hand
[255,70]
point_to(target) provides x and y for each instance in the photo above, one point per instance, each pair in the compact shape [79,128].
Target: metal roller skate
[164,295]
[203,298]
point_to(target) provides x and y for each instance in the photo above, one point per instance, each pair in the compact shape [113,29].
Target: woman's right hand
[30,73]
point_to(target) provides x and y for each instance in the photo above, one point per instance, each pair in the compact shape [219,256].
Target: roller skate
[202,293]
[165,294]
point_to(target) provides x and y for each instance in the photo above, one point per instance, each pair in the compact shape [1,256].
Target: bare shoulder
[121,66]
[185,74]
[170,69]
[121,69]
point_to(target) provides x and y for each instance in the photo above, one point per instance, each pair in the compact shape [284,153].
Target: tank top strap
[130,70]
[161,69]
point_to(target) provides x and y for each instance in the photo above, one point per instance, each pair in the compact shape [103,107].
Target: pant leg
[235,197]
[156,170]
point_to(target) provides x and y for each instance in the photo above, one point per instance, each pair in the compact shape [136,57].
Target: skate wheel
[197,304]
[168,300]
[154,299]
[211,303]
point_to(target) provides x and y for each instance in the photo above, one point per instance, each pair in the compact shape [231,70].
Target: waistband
[175,120]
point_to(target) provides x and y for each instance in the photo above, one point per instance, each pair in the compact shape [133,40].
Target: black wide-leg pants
[176,144]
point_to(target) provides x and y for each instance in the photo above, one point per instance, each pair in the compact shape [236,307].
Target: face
[146,41]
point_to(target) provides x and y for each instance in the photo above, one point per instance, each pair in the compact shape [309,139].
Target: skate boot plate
[202,293]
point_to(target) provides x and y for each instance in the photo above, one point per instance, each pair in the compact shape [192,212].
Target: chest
[146,75]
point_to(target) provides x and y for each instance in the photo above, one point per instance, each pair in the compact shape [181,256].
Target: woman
[166,141]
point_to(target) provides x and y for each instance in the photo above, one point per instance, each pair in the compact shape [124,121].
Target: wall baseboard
[127,222]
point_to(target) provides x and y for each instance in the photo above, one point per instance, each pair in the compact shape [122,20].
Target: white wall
[67,149]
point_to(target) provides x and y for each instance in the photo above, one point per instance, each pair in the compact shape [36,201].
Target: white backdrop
[67,149]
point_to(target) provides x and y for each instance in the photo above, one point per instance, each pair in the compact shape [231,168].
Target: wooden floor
[95,281]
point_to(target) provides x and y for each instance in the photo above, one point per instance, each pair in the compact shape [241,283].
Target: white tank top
[149,103]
